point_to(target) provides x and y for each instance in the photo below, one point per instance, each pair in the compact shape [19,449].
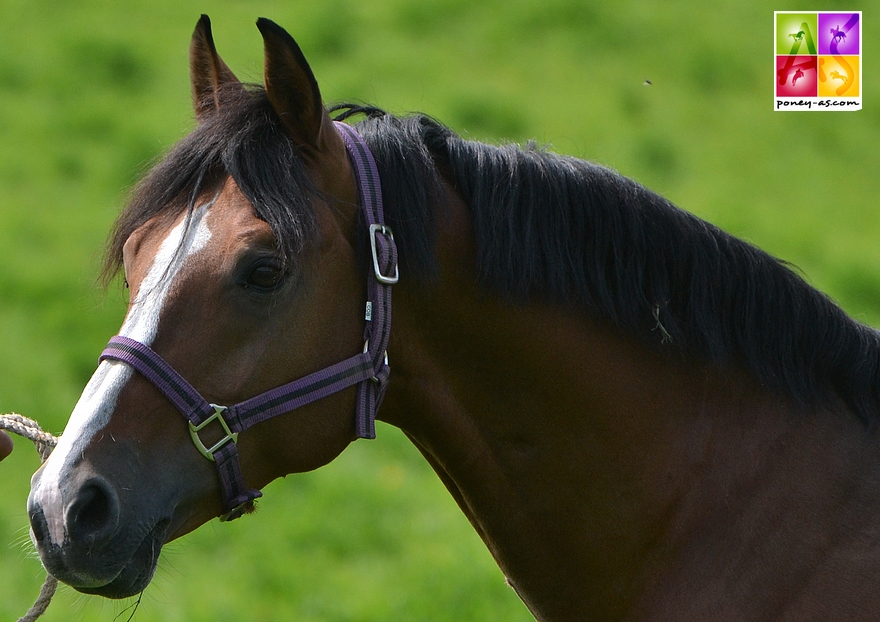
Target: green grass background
[92,91]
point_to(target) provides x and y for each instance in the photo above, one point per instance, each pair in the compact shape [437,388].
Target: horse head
[238,250]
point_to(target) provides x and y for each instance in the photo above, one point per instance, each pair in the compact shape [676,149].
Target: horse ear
[208,73]
[292,88]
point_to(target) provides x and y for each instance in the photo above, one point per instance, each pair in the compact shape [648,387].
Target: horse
[642,416]
[837,34]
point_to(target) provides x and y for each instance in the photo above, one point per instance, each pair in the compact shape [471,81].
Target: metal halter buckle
[228,435]
[386,231]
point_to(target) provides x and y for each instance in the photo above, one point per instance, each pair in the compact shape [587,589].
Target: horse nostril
[39,528]
[95,512]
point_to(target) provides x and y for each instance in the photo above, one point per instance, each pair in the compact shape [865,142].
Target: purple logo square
[839,33]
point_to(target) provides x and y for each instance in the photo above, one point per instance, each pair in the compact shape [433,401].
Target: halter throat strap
[369,369]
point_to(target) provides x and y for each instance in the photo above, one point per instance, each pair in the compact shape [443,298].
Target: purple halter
[369,369]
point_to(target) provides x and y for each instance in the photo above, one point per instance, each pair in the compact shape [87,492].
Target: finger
[5,445]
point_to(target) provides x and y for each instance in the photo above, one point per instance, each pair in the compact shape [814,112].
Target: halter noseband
[369,370]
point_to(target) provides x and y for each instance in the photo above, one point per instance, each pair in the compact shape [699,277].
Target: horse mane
[548,227]
[569,232]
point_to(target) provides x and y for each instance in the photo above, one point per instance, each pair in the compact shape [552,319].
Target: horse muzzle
[86,543]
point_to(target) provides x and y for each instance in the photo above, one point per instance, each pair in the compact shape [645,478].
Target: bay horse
[643,417]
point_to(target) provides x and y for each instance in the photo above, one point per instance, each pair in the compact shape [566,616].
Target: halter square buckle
[228,435]
[386,231]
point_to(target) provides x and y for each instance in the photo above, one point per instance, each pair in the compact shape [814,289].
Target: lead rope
[45,443]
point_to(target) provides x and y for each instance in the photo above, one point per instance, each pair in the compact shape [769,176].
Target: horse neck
[584,458]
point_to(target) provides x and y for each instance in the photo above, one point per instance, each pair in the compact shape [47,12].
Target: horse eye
[265,277]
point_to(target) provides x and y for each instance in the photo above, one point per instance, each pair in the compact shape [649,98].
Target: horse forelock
[244,140]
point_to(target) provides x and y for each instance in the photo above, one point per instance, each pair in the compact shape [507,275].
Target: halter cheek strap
[369,369]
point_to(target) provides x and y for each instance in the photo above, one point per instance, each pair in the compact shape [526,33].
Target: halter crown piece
[369,370]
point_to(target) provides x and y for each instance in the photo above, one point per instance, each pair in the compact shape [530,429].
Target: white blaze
[98,400]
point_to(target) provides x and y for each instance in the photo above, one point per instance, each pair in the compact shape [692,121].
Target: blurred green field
[92,91]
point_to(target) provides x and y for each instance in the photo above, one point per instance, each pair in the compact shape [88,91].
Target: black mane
[559,229]
[547,227]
